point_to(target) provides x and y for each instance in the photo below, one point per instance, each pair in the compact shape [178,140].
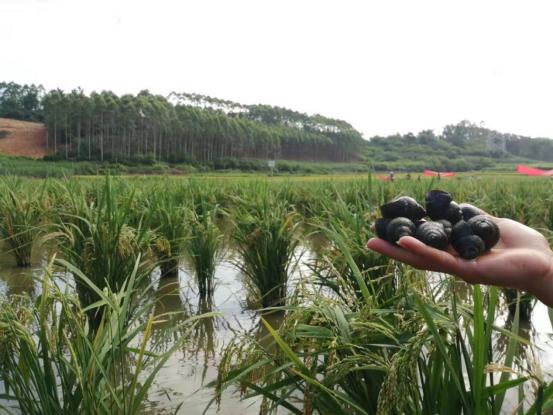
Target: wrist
[543,289]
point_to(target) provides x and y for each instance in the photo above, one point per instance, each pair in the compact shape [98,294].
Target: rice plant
[94,235]
[347,227]
[166,216]
[360,334]
[204,249]
[350,357]
[265,233]
[329,356]
[20,217]
[51,362]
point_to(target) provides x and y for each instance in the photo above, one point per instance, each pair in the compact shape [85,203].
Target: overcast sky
[384,66]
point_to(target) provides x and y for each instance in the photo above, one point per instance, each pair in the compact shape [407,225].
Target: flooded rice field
[356,333]
[182,383]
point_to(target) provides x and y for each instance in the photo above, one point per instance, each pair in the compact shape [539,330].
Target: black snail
[393,229]
[432,234]
[486,229]
[403,206]
[440,205]
[470,232]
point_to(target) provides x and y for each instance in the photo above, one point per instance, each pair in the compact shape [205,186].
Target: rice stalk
[265,234]
[204,246]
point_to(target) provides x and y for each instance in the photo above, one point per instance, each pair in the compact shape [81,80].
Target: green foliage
[166,217]
[265,233]
[22,102]
[204,248]
[94,232]
[355,333]
[179,128]
[347,226]
[51,362]
[461,147]
[20,220]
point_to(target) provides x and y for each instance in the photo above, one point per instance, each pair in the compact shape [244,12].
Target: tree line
[461,146]
[181,127]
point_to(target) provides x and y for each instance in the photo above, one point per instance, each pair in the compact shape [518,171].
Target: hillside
[460,147]
[193,129]
[22,138]
[178,128]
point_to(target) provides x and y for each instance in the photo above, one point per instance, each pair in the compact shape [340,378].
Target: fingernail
[401,241]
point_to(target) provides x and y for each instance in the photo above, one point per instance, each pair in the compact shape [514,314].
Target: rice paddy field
[255,295]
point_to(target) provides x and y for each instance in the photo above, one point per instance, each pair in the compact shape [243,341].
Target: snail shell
[470,211]
[432,234]
[486,229]
[448,228]
[380,227]
[437,202]
[454,213]
[439,205]
[469,247]
[399,227]
[403,206]
[460,230]
[419,222]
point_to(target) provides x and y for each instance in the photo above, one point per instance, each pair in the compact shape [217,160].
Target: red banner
[432,173]
[532,171]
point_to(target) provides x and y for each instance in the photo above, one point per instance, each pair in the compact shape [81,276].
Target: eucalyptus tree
[180,127]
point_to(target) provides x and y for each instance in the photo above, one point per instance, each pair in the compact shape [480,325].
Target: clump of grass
[449,365]
[347,227]
[166,217]
[329,356]
[95,236]
[265,234]
[20,219]
[52,362]
[204,249]
[350,356]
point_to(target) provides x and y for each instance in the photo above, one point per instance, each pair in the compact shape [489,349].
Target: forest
[460,147]
[178,128]
[202,130]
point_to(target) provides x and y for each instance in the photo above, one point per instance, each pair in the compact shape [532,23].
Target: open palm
[521,259]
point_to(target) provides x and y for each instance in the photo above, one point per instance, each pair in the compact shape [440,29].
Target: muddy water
[195,364]
[181,381]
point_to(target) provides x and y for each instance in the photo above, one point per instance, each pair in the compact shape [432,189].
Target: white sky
[385,66]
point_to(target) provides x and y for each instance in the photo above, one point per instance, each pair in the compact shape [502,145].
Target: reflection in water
[263,336]
[20,281]
[169,311]
[202,342]
[195,364]
[19,284]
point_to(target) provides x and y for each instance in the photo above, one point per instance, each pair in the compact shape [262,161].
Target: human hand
[521,259]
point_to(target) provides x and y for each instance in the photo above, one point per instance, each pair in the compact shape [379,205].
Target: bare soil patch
[23,138]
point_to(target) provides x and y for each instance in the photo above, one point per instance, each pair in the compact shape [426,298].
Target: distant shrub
[4,133]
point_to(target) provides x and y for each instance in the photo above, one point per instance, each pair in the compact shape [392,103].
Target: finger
[421,256]
[415,253]
[434,259]
[442,261]
[393,251]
